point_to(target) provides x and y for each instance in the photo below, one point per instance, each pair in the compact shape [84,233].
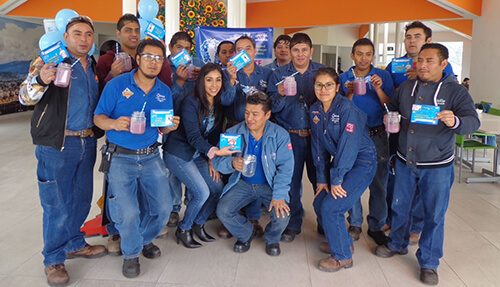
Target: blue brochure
[154,31]
[162,118]
[230,140]
[424,114]
[54,54]
[240,60]
[181,58]
[401,65]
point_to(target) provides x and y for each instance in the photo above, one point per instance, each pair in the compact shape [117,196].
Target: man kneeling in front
[271,146]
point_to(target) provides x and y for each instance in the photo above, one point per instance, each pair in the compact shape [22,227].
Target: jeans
[241,195]
[434,186]
[377,202]
[138,221]
[204,191]
[302,154]
[65,183]
[331,211]
[176,190]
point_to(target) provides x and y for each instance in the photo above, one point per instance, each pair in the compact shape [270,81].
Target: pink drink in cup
[63,75]
[127,61]
[359,86]
[392,122]
[138,123]
[290,86]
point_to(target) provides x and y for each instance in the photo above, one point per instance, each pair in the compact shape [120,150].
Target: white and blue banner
[208,38]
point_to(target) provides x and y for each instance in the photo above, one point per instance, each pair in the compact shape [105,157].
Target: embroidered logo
[349,128]
[263,83]
[316,113]
[335,118]
[290,146]
[160,98]
[127,93]
[316,120]
[440,102]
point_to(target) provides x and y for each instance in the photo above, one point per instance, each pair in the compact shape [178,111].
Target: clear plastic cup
[190,72]
[138,123]
[249,165]
[63,75]
[392,122]
[290,86]
[359,86]
[127,61]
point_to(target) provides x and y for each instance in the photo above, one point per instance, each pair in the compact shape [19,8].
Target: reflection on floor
[472,241]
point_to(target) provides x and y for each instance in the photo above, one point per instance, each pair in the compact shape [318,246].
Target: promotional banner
[207,39]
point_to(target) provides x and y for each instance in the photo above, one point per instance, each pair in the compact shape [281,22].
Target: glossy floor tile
[471,251]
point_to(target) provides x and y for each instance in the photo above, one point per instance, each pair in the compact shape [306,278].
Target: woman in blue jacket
[189,152]
[345,160]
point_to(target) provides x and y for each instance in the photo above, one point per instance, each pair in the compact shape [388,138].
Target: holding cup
[138,123]
[359,86]
[249,165]
[127,61]
[63,75]
[392,122]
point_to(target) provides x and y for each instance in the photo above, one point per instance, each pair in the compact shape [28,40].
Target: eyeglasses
[80,19]
[149,58]
[328,86]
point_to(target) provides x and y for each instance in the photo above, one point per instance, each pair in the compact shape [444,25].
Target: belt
[302,133]
[83,133]
[376,130]
[143,151]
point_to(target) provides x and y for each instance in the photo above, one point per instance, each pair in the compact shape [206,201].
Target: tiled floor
[472,242]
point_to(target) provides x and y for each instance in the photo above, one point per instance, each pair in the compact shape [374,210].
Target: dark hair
[466,79]
[327,71]
[442,50]
[150,42]
[126,18]
[79,19]
[280,38]
[180,36]
[299,38]
[418,24]
[245,37]
[109,45]
[222,43]
[362,42]
[201,95]
[260,98]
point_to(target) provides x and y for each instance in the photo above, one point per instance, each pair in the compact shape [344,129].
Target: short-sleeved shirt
[121,97]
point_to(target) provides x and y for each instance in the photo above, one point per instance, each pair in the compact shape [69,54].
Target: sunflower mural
[210,13]
[161,12]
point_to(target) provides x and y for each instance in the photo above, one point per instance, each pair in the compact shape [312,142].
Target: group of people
[337,134]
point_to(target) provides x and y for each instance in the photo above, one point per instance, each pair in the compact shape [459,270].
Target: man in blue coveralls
[292,113]
[379,90]
[416,35]
[135,158]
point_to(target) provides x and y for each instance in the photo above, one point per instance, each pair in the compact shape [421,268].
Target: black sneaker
[173,220]
[385,252]
[354,232]
[131,267]
[151,251]
[273,249]
[289,235]
[378,236]
[429,276]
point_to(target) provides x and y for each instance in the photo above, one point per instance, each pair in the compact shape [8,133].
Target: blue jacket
[429,146]
[277,158]
[235,98]
[370,102]
[189,136]
[292,112]
[340,133]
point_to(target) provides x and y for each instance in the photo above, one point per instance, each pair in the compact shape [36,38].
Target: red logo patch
[289,146]
[349,128]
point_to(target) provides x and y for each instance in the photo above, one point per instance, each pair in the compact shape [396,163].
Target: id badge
[162,118]
[424,114]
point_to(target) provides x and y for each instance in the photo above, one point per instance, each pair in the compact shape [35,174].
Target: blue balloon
[157,22]
[49,39]
[143,24]
[148,9]
[92,50]
[62,18]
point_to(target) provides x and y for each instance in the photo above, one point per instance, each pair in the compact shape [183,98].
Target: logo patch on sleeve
[349,128]
[289,146]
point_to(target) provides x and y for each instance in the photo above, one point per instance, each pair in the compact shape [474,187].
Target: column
[236,13]
[129,6]
[172,16]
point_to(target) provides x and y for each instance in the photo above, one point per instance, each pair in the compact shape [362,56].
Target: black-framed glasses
[328,86]
[80,19]
[149,58]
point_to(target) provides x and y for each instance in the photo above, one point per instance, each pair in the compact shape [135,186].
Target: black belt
[376,130]
[149,150]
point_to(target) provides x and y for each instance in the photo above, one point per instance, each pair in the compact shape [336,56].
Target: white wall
[466,57]
[485,57]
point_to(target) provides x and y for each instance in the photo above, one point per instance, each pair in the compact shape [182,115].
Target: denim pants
[204,191]
[65,184]
[302,154]
[377,202]
[176,190]
[331,211]
[241,195]
[434,186]
[138,221]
